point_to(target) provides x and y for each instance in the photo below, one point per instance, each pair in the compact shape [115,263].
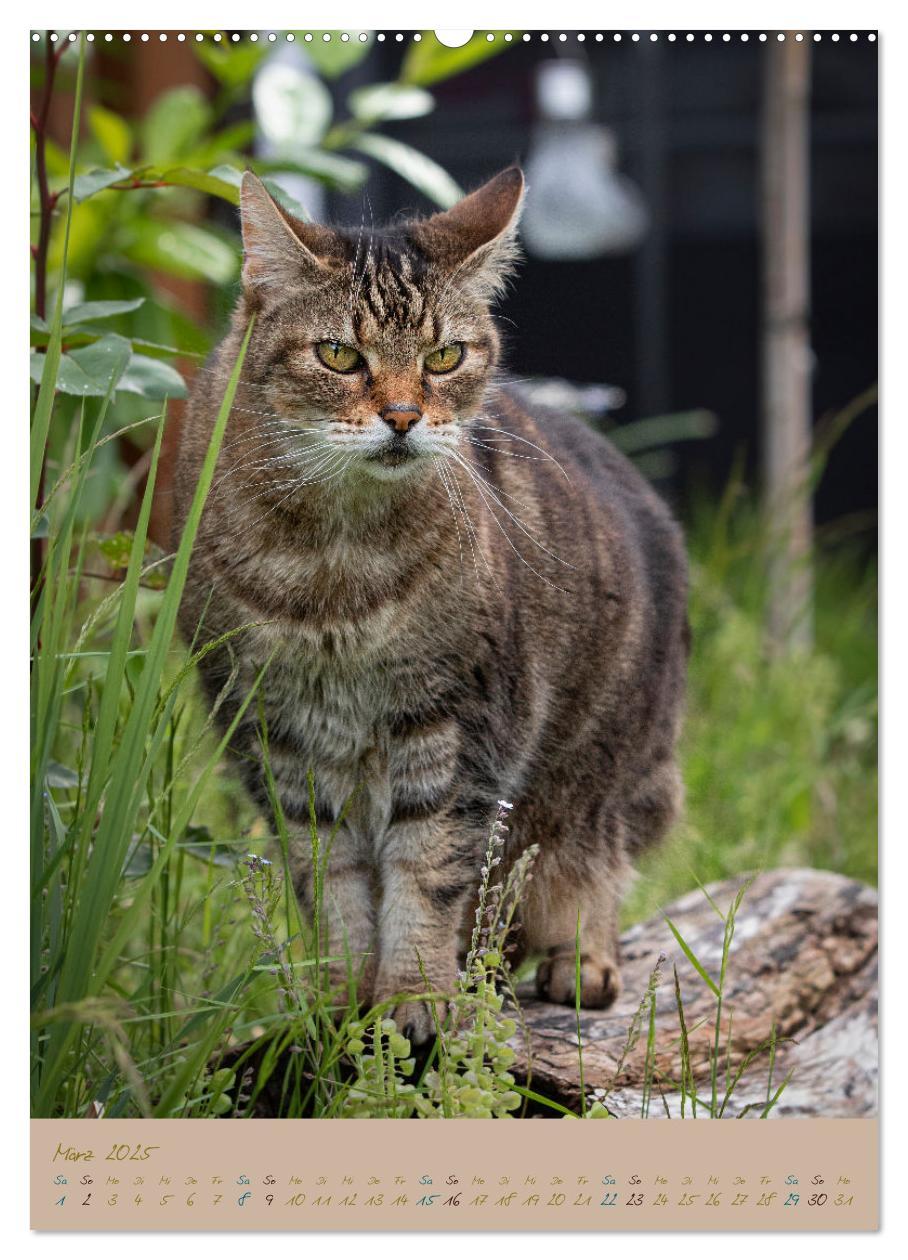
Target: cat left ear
[478,236]
[279,249]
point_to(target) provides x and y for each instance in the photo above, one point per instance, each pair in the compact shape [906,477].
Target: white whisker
[480,483]
[473,533]
[447,491]
[518,438]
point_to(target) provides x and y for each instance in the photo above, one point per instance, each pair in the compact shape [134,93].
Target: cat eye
[338,357]
[446,358]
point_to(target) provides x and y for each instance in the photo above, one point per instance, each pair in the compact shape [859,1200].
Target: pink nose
[401,416]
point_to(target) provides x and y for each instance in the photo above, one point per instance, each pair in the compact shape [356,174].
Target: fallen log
[802,970]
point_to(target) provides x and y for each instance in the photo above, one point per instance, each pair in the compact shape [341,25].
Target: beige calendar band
[91,1175]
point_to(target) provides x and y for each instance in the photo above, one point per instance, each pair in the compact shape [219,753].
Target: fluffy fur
[489,603]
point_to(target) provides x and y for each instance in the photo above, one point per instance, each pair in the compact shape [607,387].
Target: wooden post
[786,404]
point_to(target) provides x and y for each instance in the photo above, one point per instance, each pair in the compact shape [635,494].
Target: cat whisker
[496,492]
[335,467]
[285,463]
[447,491]
[248,437]
[480,486]
[473,533]
[249,462]
[498,450]
[451,484]
[289,421]
[254,444]
[517,437]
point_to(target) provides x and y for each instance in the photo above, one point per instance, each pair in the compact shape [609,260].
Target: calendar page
[453,629]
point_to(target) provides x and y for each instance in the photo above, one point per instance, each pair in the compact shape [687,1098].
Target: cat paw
[416,1021]
[600,981]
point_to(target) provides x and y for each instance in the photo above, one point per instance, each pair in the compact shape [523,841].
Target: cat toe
[600,981]
[417,1022]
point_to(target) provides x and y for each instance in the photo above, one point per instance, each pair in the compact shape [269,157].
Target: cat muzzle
[401,416]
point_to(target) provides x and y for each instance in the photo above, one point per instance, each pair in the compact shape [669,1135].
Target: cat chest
[342,721]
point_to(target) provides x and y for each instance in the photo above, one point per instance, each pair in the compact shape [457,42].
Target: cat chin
[379,471]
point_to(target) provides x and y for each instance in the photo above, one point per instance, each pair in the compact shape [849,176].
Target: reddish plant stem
[47,200]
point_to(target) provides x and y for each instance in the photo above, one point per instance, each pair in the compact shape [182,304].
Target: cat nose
[401,416]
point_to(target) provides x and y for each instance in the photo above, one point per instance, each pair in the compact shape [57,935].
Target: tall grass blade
[129,769]
[692,957]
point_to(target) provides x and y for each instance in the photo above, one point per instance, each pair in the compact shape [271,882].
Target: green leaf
[227,174]
[151,378]
[91,371]
[139,861]
[202,845]
[381,102]
[293,108]
[430,61]
[85,186]
[413,166]
[203,181]
[682,426]
[332,169]
[231,64]
[289,203]
[116,825]
[117,548]
[546,1102]
[232,177]
[183,249]
[692,958]
[84,312]
[177,120]
[57,160]
[112,133]
[122,772]
[335,56]
[223,145]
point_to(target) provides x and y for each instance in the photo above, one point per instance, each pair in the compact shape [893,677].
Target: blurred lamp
[578,205]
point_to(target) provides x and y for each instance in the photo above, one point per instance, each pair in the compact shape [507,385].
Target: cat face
[377,345]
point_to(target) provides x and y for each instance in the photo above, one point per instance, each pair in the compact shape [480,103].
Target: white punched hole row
[454,39]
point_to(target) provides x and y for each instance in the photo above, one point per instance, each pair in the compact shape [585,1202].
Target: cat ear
[279,249]
[477,238]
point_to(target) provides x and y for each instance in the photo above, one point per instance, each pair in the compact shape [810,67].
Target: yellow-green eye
[338,357]
[444,359]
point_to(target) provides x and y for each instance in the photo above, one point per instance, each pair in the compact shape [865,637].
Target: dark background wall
[676,323]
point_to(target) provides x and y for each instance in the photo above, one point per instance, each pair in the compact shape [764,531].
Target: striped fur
[489,606]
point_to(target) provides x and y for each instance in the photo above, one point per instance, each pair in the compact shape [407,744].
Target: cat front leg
[344,898]
[429,876]
[564,885]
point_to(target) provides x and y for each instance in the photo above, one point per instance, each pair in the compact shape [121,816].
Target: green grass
[779,753]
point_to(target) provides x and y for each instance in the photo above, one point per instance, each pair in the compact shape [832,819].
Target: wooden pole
[786,417]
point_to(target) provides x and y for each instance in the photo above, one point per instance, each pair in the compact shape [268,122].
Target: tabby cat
[460,597]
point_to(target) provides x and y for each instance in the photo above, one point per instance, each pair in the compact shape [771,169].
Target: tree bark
[803,958]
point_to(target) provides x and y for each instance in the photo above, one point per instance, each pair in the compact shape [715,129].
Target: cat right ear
[278,249]
[477,238]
